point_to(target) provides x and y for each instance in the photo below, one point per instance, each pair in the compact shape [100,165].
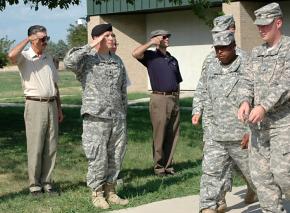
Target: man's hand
[245,141]
[257,114]
[195,119]
[156,40]
[97,40]
[60,116]
[32,37]
[244,111]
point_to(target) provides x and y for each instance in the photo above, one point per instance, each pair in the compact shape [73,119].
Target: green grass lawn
[140,185]
[70,89]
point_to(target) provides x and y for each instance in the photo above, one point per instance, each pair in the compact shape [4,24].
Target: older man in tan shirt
[42,107]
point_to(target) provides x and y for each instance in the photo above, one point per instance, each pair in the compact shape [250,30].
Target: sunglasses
[44,39]
[165,36]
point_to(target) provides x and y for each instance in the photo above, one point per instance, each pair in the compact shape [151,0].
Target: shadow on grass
[130,174]
[61,187]
[184,171]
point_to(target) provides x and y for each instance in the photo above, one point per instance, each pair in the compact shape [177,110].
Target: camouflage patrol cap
[223,38]
[266,14]
[222,23]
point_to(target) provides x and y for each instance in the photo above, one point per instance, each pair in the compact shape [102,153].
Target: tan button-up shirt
[38,74]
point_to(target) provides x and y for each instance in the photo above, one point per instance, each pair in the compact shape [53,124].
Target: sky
[16,19]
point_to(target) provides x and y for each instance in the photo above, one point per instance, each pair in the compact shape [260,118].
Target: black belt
[165,93]
[47,99]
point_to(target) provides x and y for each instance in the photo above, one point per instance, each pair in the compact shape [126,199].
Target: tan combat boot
[251,196]
[222,204]
[99,200]
[112,197]
[208,211]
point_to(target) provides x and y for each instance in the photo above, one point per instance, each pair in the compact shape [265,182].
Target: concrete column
[247,35]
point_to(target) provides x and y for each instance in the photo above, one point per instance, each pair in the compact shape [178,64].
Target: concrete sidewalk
[190,204]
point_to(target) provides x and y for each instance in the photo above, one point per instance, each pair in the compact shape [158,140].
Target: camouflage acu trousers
[228,173]
[218,158]
[269,162]
[104,142]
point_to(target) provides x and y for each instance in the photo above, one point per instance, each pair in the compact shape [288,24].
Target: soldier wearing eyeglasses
[42,107]
[165,77]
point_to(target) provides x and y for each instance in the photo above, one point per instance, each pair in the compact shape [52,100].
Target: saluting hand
[195,119]
[97,40]
[156,40]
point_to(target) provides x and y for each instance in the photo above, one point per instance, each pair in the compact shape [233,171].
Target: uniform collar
[273,51]
[233,67]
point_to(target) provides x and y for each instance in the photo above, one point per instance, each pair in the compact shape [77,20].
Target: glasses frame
[45,39]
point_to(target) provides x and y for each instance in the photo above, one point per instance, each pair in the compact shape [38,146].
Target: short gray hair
[35,29]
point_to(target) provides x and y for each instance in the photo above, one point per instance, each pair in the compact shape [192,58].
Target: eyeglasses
[45,39]
[165,36]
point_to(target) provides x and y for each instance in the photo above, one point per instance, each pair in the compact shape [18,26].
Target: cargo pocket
[91,149]
[286,149]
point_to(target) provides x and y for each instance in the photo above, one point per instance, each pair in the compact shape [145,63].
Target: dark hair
[35,29]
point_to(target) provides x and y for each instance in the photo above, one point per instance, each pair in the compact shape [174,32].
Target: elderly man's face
[164,42]
[41,42]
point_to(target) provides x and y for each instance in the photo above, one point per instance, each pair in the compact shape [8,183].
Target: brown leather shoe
[222,204]
[170,172]
[250,197]
[36,193]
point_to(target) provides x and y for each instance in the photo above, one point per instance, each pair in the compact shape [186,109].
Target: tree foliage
[77,35]
[5,45]
[57,50]
[200,7]
[51,4]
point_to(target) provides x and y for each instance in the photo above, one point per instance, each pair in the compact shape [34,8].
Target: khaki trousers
[41,122]
[164,114]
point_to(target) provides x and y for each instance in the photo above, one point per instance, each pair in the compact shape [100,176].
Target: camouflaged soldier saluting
[225,129]
[199,108]
[104,109]
[265,87]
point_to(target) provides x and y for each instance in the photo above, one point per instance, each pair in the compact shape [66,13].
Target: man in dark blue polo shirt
[164,74]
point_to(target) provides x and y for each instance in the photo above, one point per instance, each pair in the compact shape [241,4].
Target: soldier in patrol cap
[225,129]
[104,108]
[264,103]
[221,23]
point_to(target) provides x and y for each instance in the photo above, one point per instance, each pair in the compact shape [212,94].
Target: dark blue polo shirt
[163,71]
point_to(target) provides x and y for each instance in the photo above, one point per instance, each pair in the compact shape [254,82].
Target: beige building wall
[190,41]
[130,31]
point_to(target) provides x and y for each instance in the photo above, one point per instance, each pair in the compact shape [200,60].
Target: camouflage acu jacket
[103,82]
[222,91]
[200,96]
[266,82]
